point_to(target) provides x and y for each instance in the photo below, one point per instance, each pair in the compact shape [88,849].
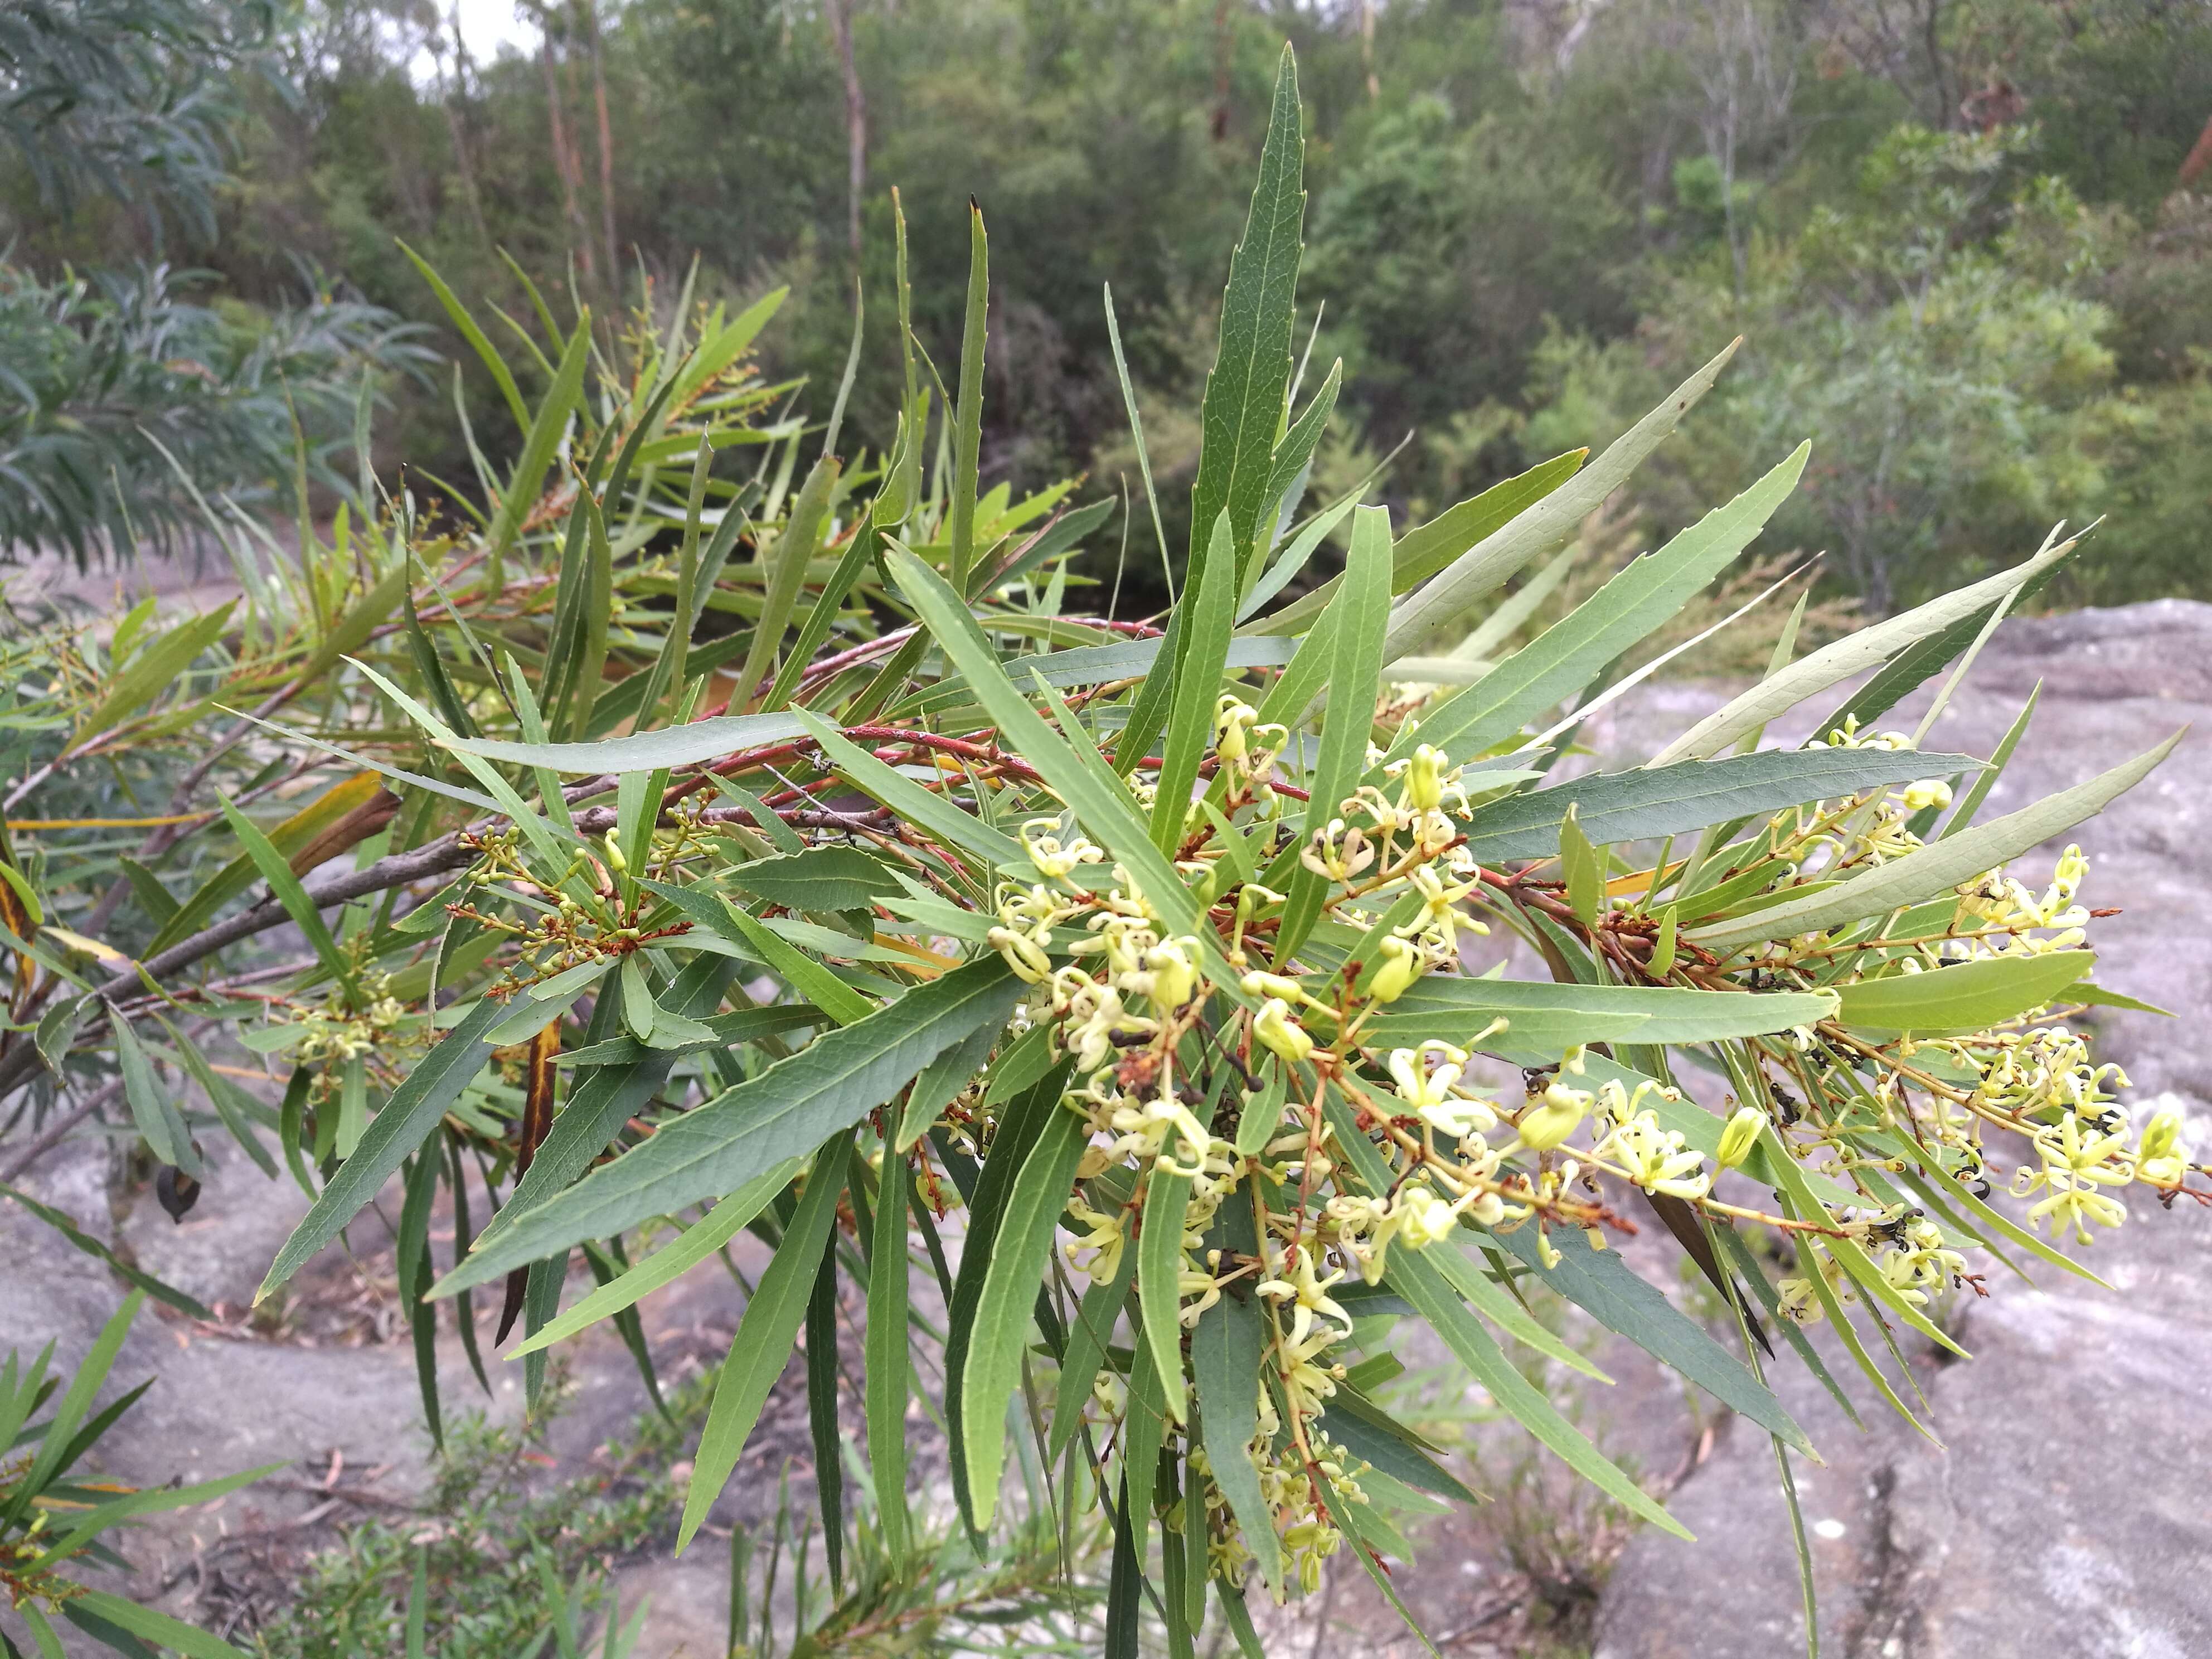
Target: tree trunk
[856,123]
[464,159]
[591,11]
[565,153]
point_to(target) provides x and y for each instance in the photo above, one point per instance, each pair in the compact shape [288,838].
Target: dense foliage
[1528,221]
[727,828]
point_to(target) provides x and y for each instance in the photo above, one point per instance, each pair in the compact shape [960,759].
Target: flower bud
[1284,1036]
[1926,793]
[614,859]
[1424,790]
[1401,966]
[1739,1136]
[1260,983]
[2160,1136]
[1551,1117]
[1174,978]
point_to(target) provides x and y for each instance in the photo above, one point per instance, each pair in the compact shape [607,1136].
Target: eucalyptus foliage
[783,848]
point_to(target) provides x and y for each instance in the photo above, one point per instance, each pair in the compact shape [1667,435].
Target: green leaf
[1964,996]
[408,1119]
[1604,1286]
[908,799]
[157,1627]
[286,887]
[1854,653]
[1243,409]
[809,978]
[152,1107]
[1567,655]
[1583,869]
[968,417]
[1372,1436]
[764,1343]
[153,670]
[1159,1273]
[1296,452]
[538,449]
[1209,606]
[1106,807]
[1028,1105]
[1354,677]
[1426,621]
[999,1332]
[1441,1005]
[470,330]
[1088,1337]
[52,1455]
[889,1380]
[1968,809]
[1227,1351]
[1928,871]
[66,1226]
[2103,997]
[820,879]
[671,1262]
[751,1127]
[784,567]
[1617,807]
[1426,549]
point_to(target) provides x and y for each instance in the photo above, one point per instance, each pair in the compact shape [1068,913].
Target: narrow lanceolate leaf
[642,751]
[153,1108]
[1426,549]
[1089,1334]
[1226,1354]
[540,447]
[1928,871]
[764,1338]
[1245,390]
[1024,1112]
[62,1223]
[1617,807]
[909,799]
[750,1128]
[889,1380]
[1569,654]
[968,419]
[1426,621]
[1209,606]
[1159,1274]
[668,1263]
[785,574]
[1854,653]
[993,1375]
[1604,1286]
[1966,996]
[1104,805]
[277,871]
[1582,868]
[1355,676]
[407,1120]
[1439,1003]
